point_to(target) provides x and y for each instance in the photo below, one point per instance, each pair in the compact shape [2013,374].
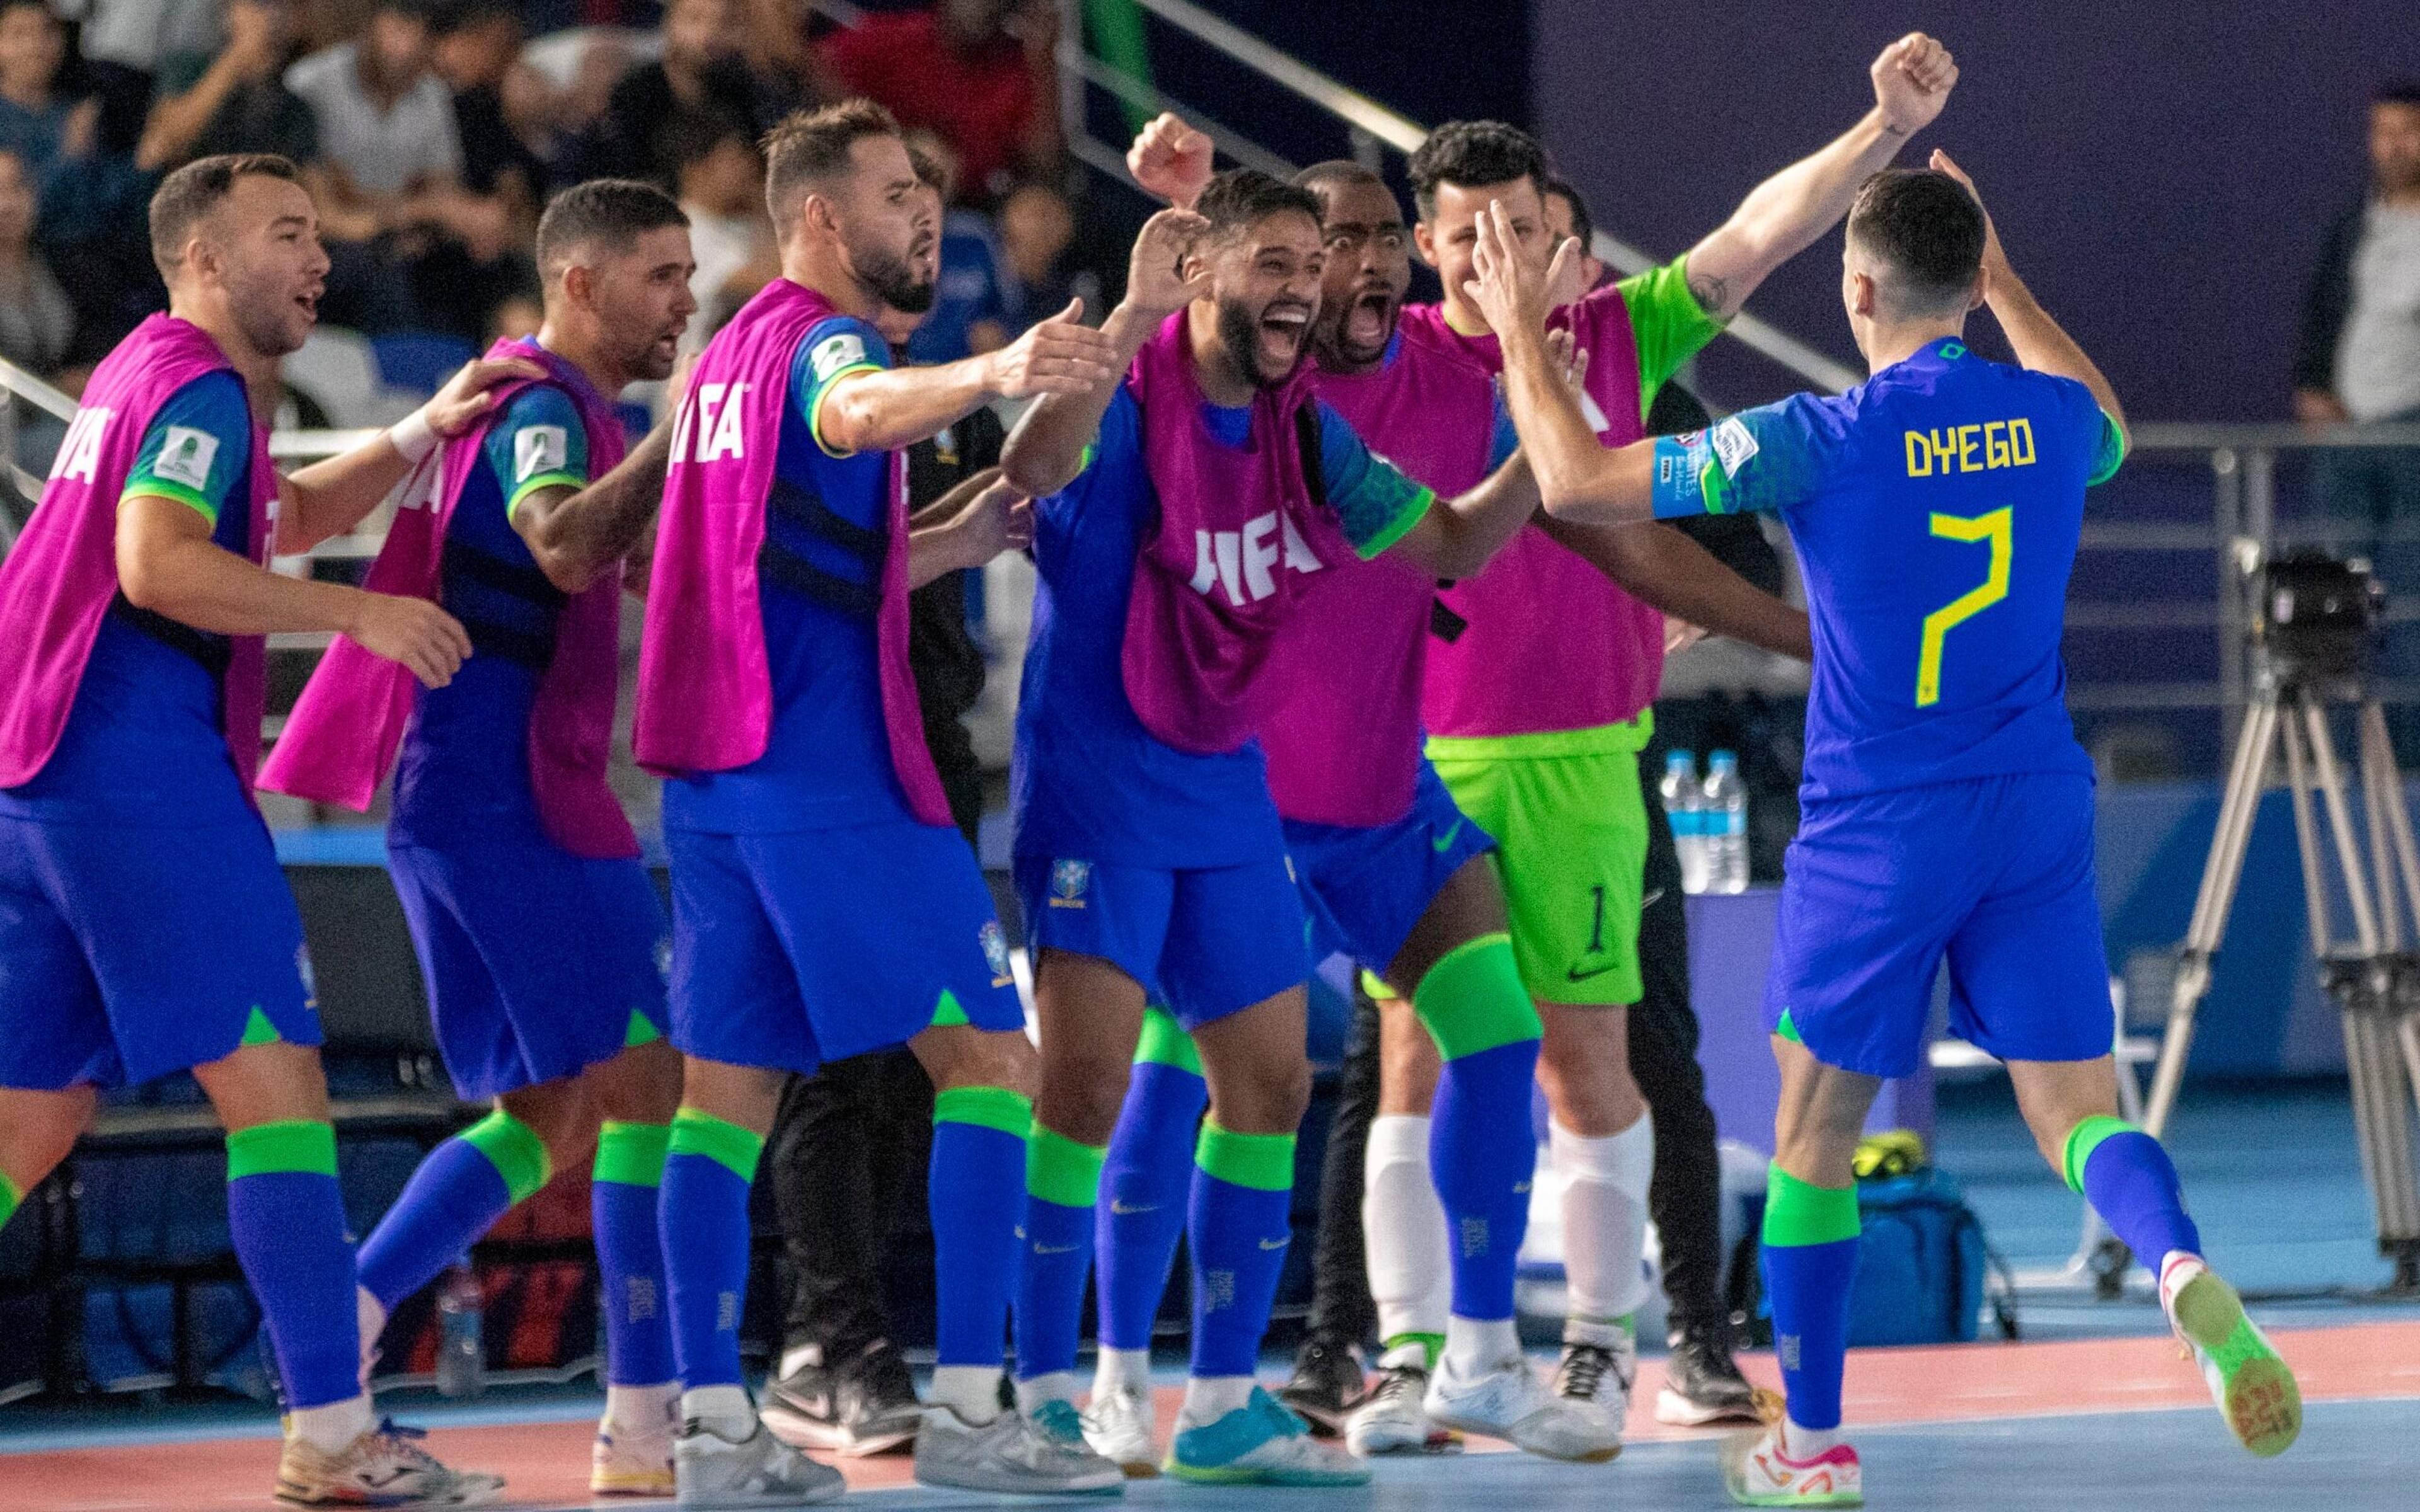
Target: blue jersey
[1089,781]
[144,743]
[826,765]
[464,772]
[1936,509]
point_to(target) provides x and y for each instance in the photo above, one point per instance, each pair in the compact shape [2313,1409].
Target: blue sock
[975,1192]
[456,1196]
[286,1215]
[2131,1182]
[703,1219]
[1482,1151]
[1145,1184]
[1062,1181]
[629,1176]
[1811,1261]
[1242,1186]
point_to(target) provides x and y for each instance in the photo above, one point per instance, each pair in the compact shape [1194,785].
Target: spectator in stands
[141,35]
[392,164]
[36,322]
[516,319]
[979,72]
[972,303]
[37,118]
[1037,237]
[478,46]
[723,192]
[704,72]
[76,143]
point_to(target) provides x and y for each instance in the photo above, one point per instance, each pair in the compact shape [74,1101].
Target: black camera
[2315,613]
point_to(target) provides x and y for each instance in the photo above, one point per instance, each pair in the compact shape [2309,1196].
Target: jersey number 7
[1994,528]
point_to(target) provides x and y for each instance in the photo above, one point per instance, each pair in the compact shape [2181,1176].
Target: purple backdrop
[2162,172]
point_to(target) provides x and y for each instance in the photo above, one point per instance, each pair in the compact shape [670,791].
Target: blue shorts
[540,963]
[127,953]
[793,949]
[1207,942]
[1994,874]
[1365,888]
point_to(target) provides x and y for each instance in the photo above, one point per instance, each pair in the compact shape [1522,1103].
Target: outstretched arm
[966,527]
[881,410]
[1784,214]
[1665,569]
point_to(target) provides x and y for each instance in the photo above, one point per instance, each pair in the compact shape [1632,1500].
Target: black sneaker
[1327,1380]
[863,1406]
[1701,1385]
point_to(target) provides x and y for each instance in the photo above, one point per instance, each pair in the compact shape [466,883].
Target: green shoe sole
[2262,1404]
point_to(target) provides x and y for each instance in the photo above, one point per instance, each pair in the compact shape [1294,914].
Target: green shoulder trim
[193,499]
[823,391]
[1401,526]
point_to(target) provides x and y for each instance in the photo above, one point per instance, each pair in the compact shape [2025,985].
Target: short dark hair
[1470,153]
[1928,228]
[611,213]
[812,144]
[1339,171]
[1240,197]
[201,186]
[1583,224]
[2397,92]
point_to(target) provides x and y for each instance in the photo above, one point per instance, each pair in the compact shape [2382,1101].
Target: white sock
[1208,1398]
[724,1410]
[1120,1367]
[1473,1347]
[1604,1217]
[972,1391]
[1803,1444]
[329,1428]
[798,1357]
[1058,1386]
[642,1408]
[370,1319]
[1403,1224]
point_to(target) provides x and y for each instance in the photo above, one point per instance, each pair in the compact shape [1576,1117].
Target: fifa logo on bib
[711,419]
[79,457]
[1239,562]
[1069,880]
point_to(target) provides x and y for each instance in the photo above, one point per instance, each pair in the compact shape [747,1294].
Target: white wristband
[413,436]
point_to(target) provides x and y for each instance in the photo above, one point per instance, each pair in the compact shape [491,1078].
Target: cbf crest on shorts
[995,949]
[1069,880]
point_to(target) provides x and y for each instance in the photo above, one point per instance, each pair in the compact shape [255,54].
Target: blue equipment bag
[1923,1268]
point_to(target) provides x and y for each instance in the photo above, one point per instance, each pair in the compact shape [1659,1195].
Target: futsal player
[145,923]
[1189,513]
[1947,808]
[536,923]
[823,904]
[1537,736]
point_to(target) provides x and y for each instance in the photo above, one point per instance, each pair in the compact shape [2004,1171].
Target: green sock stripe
[1060,1170]
[302,1145]
[1433,1344]
[729,1146]
[258,1030]
[514,1149]
[986,1107]
[1473,1000]
[1264,1163]
[1164,1043]
[10,1199]
[1787,1029]
[632,1154]
[2085,1138]
[1800,1212]
[639,1031]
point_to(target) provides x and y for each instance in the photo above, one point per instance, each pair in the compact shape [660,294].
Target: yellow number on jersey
[1995,527]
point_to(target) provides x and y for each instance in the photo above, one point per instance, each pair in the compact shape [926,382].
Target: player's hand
[470,394]
[1571,360]
[1062,355]
[1513,293]
[1995,257]
[1170,160]
[1679,635]
[1912,82]
[997,519]
[1156,282]
[414,632]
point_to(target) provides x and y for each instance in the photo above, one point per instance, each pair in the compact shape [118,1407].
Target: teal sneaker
[1260,1443]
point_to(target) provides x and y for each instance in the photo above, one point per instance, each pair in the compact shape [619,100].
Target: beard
[1239,331]
[894,280]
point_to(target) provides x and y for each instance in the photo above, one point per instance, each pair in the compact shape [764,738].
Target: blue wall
[2161,171]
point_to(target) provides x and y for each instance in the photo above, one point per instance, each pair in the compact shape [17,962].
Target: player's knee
[1269,1096]
[1001,1059]
[1079,1094]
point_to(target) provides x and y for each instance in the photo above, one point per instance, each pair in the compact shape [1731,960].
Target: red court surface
[546,1462]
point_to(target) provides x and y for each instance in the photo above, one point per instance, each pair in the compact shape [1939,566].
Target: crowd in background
[431,133]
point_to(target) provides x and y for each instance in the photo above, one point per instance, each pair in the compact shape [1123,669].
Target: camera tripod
[2373,976]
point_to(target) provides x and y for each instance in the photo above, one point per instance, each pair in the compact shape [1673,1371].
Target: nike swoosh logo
[1125,1211]
[1575,974]
[1055,1249]
[1445,842]
[1274,1243]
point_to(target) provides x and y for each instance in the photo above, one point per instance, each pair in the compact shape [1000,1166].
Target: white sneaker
[1260,1443]
[635,1460]
[1119,1426]
[2255,1390]
[759,1471]
[1011,1455]
[385,1467]
[1755,1472]
[1391,1421]
[1507,1403]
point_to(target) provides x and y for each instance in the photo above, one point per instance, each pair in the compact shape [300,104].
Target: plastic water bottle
[461,1345]
[1726,822]
[1685,804]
